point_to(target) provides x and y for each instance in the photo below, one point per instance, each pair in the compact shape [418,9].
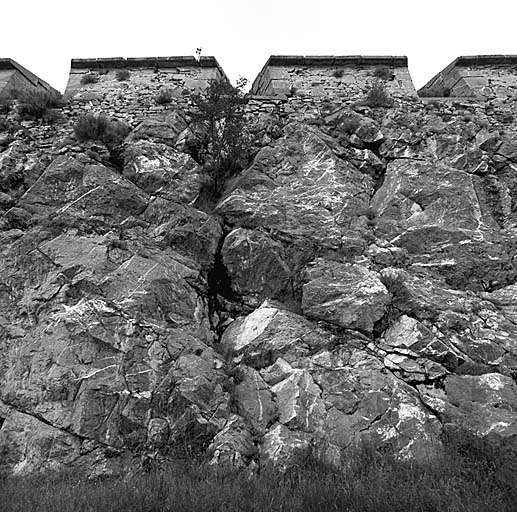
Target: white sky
[43,35]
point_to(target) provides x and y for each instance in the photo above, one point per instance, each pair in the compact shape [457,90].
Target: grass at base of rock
[467,478]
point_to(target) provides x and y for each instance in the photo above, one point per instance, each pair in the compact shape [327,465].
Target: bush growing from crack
[104,129]
[101,128]
[5,106]
[38,104]
[122,75]
[163,97]
[383,73]
[219,123]
[89,78]
[378,96]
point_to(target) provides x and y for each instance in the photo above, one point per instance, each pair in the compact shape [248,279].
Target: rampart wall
[479,76]
[344,76]
[289,86]
[14,77]
[135,97]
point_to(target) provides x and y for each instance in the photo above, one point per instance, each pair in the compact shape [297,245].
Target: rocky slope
[355,282]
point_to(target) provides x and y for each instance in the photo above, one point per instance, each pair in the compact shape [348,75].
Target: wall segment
[135,97]
[480,76]
[335,76]
[15,77]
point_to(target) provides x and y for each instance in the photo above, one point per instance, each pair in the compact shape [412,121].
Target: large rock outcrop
[354,283]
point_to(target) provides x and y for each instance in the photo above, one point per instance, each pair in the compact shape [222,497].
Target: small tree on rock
[218,122]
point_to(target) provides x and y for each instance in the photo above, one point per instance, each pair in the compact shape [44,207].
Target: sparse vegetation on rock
[163,97]
[90,78]
[101,128]
[38,104]
[122,75]
[218,122]
[378,96]
[383,73]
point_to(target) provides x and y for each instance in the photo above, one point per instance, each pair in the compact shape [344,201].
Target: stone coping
[337,60]
[476,60]
[7,63]
[147,62]
[481,60]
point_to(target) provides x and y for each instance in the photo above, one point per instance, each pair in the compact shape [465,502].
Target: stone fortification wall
[320,76]
[134,98]
[13,77]
[480,76]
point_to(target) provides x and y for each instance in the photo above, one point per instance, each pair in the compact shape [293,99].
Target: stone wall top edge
[336,60]
[136,62]
[469,60]
[36,81]
[7,64]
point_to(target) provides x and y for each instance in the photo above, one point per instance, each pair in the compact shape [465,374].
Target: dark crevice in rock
[436,383]
[206,200]
[378,178]
[433,412]
[391,315]
[116,157]
[219,288]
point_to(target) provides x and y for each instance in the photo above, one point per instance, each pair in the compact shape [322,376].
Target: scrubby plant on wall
[104,129]
[89,78]
[163,97]
[221,142]
[38,104]
[122,75]
[378,96]
[384,73]
[101,128]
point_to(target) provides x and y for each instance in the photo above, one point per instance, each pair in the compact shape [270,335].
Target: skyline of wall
[481,76]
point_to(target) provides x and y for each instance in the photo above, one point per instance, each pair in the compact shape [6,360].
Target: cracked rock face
[354,284]
[349,296]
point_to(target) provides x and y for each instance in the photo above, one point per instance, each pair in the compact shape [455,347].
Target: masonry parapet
[179,72]
[95,84]
[476,76]
[333,76]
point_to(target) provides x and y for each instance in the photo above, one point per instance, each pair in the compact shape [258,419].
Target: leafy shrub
[38,104]
[5,106]
[383,73]
[163,97]
[219,122]
[122,75]
[338,73]
[101,128]
[90,78]
[9,126]
[377,96]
